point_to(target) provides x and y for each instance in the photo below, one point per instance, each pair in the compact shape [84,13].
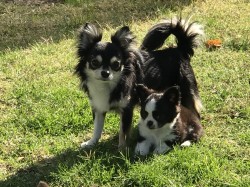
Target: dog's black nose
[105,73]
[150,124]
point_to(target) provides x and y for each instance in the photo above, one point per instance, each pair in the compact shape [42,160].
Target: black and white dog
[165,122]
[108,73]
[171,66]
[109,70]
[167,118]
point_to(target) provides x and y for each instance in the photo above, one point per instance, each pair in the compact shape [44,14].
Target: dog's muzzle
[150,124]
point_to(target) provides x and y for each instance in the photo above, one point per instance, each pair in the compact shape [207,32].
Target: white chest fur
[100,91]
[159,135]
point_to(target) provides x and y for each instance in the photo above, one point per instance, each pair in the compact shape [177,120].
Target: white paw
[88,144]
[141,149]
[161,149]
[186,143]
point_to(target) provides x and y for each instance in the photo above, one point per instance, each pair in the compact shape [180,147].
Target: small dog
[165,122]
[167,118]
[108,73]
[171,66]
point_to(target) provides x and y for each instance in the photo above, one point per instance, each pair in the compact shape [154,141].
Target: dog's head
[104,61]
[158,109]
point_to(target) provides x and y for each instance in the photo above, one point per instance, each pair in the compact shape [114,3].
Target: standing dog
[108,73]
[167,118]
[171,66]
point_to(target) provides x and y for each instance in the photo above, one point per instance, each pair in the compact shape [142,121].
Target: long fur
[157,68]
[171,66]
[169,115]
[108,72]
[187,35]
[165,122]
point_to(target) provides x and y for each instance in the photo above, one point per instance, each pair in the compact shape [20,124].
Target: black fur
[165,121]
[169,115]
[171,66]
[119,89]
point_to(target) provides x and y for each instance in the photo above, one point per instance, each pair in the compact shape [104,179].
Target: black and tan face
[159,109]
[105,62]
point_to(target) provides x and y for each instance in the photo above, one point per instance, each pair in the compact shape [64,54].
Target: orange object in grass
[213,43]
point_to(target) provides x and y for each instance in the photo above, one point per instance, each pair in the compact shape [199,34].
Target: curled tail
[187,35]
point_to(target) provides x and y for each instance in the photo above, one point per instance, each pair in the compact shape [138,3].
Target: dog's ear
[89,35]
[143,92]
[172,95]
[123,38]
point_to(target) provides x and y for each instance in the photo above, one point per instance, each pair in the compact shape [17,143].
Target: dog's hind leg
[98,127]
[125,125]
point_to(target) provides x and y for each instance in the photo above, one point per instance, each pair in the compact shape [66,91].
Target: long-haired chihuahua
[108,72]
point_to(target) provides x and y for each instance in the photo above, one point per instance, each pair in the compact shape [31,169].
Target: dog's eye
[156,115]
[115,65]
[95,64]
[144,114]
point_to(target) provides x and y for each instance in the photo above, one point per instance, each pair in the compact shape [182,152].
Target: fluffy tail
[187,35]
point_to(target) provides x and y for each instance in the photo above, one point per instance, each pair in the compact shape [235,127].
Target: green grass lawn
[44,116]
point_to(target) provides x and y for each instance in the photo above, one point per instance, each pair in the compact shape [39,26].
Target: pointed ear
[89,35]
[142,91]
[123,37]
[173,95]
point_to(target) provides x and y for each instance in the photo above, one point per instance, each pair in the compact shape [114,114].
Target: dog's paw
[162,149]
[186,143]
[122,147]
[141,149]
[88,144]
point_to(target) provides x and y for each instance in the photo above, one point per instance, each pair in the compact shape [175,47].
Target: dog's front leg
[142,148]
[98,127]
[162,148]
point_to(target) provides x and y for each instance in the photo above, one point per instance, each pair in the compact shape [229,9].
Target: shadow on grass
[41,170]
[76,162]
[25,24]
[105,152]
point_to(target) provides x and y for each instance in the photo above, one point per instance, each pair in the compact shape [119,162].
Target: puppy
[165,122]
[171,66]
[108,72]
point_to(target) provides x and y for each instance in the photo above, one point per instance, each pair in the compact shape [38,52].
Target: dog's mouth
[104,79]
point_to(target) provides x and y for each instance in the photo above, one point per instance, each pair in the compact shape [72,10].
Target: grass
[44,116]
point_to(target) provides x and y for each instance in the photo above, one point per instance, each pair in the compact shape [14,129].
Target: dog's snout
[150,124]
[105,73]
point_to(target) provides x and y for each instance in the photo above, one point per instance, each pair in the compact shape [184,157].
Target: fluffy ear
[123,38]
[173,95]
[142,91]
[89,35]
